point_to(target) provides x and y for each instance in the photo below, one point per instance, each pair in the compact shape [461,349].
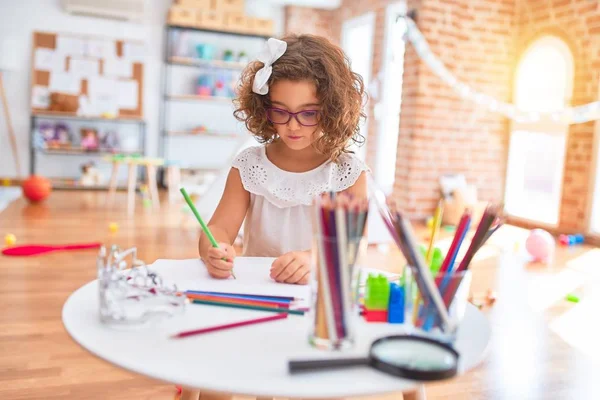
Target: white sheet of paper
[84,68]
[134,52]
[252,275]
[40,97]
[117,67]
[64,83]
[127,92]
[100,48]
[70,46]
[48,60]
[100,85]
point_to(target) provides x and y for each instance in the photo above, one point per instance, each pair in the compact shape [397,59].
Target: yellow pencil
[435,228]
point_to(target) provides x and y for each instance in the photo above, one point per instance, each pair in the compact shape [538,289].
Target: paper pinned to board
[70,46]
[84,68]
[98,48]
[64,83]
[40,97]
[127,94]
[117,68]
[48,60]
[134,52]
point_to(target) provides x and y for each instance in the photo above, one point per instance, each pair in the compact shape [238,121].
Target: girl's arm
[229,215]
[359,189]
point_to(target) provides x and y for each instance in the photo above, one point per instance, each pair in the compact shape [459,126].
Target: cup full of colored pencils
[339,226]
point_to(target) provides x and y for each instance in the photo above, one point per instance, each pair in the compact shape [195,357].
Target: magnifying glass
[411,357]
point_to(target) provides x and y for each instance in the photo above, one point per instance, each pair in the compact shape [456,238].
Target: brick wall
[480,42]
[578,23]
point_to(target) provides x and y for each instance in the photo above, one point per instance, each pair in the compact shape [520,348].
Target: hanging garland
[572,115]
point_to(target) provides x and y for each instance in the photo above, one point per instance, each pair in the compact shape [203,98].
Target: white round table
[251,360]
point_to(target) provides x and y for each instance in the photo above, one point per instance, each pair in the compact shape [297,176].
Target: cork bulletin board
[96,76]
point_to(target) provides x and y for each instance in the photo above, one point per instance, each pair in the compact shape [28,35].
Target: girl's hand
[293,267]
[219,261]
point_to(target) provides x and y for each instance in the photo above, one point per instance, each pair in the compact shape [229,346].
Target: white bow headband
[274,48]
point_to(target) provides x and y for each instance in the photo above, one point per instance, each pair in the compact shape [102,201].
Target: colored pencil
[238,301]
[217,328]
[437,221]
[463,227]
[207,231]
[245,295]
[248,307]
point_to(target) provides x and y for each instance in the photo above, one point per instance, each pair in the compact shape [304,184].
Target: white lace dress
[279,219]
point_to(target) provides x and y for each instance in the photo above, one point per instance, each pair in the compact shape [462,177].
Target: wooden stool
[132,163]
[173,179]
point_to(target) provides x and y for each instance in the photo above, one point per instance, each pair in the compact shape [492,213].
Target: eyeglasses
[282,117]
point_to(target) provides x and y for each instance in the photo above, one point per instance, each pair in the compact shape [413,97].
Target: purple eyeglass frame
[290,115]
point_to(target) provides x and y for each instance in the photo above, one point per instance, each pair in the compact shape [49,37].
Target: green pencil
[201,221]
[248,307]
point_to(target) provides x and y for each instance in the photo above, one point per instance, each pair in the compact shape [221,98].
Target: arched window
[543,82]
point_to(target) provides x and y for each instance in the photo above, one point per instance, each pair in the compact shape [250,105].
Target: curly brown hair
[340,91]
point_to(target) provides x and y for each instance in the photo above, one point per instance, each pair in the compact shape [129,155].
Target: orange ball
[36,188]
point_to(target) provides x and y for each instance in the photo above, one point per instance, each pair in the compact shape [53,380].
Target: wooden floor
[542,347]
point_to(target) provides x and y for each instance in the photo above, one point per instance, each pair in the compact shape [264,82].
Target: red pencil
[229,326]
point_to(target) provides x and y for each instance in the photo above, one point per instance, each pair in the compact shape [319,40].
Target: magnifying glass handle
[310,365]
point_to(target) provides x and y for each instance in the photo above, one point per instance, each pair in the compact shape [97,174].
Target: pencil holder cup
[334,314]
[421,315]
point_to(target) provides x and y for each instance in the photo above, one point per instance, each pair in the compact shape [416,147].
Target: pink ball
[540,244]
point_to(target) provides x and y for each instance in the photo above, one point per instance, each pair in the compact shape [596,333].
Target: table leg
[151,176]
[131,188]
[112,186]
[417,394]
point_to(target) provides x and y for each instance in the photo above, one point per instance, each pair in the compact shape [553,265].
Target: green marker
[207,231]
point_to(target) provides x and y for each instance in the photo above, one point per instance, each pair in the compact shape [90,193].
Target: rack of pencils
[340,222]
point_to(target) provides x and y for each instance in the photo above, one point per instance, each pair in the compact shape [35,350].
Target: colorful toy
[113,227]
[10,239]
[569,240]
[377,293]
[436,260]
[90,175]
[36,188]
[376,315]
[540,245]
[396,304]
[89,139]
[34,249]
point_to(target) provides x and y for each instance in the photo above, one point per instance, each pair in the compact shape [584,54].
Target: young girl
[304,104]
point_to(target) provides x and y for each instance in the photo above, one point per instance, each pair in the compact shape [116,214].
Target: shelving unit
[183,110]
[75,151]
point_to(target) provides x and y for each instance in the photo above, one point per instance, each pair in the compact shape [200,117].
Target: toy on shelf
[540,245]
[53,136]
[89,139]
[199,129]
[110,141]
[569,240]
[243,57]
[90,176]
[205,51]
[228,55]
